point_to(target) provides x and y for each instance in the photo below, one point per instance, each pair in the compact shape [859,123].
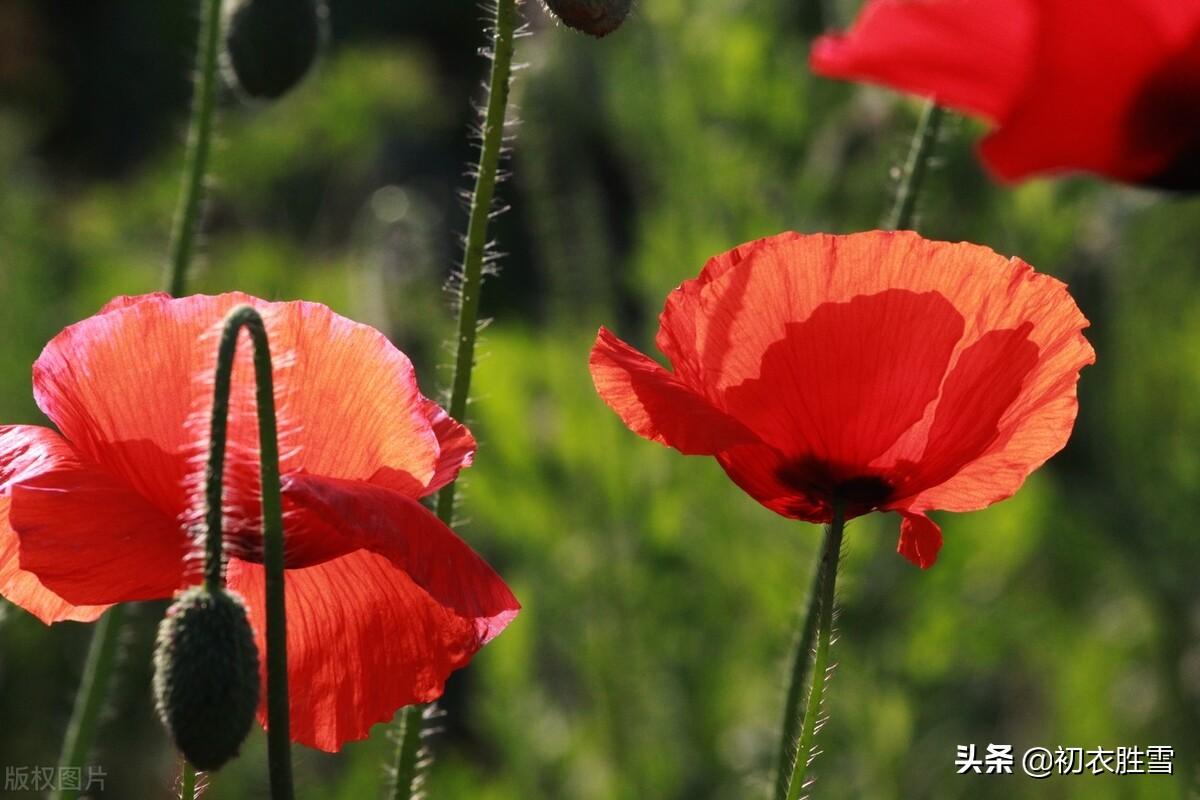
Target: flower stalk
[279,755]
[199,147]
[794,771]
[792,714]
[915,167]
[406,766]
[103,650]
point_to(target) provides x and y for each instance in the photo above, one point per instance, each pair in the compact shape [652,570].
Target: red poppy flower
[879,369]
[1109,86]
[383,600]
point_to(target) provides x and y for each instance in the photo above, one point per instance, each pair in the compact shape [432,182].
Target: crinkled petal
[411,537]
[658,406]
[363,640]
[23,588]
[972,55]
[131,388]
[25,453]
[842,385]
[92,540]
[456,446]
[920,539]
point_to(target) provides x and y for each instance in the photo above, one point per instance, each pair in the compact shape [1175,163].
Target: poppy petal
[22,588]
[844,384]
[1063,119]
[80,529]
[920,539]
[968,54]
[411,537]
[655,404]
[456,446]
[25,452]
[348,402]
[363,640]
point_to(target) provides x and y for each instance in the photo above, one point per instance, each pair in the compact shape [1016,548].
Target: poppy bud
[595,17]
[270,44]
[206,675]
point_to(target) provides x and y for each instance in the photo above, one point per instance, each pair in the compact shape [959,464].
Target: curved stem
[93,688]
[199,146]
[901,215]
[187,782]
[279,755]
[801,657]
[408,747]
[830,553]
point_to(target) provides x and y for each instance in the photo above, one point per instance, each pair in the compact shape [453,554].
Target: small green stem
[802,656]
[830,553]
[103,650]
[915,167]
[187,782]
[279,755]
[93,688]
[408,746]
[408,752]
[199,146]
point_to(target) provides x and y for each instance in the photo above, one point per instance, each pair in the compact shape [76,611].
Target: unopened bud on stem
[594,17]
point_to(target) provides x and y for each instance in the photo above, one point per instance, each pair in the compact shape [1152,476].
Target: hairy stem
[408,747]
[187,782]
[93,688]
[199,146]
[830,553]
[915,167]
[279,755]
[792,716]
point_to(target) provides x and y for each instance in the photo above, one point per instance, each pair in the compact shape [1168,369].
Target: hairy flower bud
[271,44]
[206,675]
[595,17]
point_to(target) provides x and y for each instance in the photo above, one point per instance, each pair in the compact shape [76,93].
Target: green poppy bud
[271,44]
[595,17]
[206,675]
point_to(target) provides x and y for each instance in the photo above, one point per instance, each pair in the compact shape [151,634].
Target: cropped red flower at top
[383,600]
[877,370]
[1108,86]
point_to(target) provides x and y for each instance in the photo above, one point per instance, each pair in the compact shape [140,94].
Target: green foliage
[659,600]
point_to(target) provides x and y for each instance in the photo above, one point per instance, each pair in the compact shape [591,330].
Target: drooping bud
[206,675]
[271,44]
[594,17]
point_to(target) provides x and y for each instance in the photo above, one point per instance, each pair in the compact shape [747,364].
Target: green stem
[187,782]
[408,752]
[279,755]
[470,287]
[199,146]
[915,168]
[102,652]
[830,553]
[93,688]
[802,656]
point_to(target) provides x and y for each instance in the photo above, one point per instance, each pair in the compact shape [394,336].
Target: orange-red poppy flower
[1108,86]
[383,600]
[879,370]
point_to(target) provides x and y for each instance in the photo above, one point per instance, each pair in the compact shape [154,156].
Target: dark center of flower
[820,483]
[1165,119]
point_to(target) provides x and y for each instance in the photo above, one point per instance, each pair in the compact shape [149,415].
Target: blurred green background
[660,601]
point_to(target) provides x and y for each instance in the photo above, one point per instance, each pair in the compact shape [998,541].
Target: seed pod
[595,17]
[206,675]
[271,44]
